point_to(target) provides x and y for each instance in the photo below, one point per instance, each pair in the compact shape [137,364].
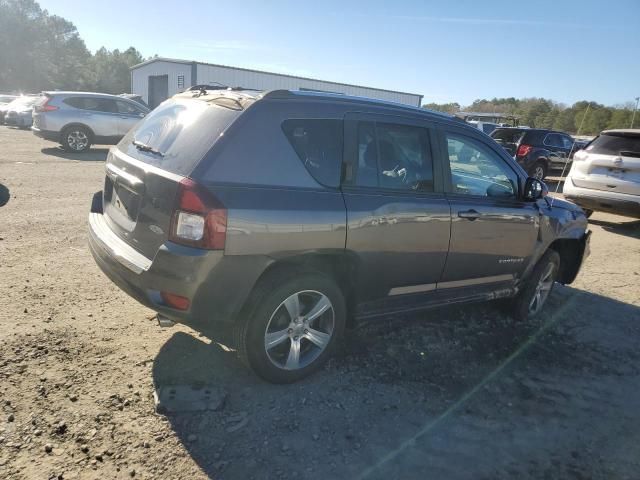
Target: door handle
[470,214]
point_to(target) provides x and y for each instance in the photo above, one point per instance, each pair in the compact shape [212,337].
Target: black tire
[76,139]
[538,170]
[521,307]
[267,303]
[587,212]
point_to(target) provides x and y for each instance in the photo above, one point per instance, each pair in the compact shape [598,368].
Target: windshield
[616,144]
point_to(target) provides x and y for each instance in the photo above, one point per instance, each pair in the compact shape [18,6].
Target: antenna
[570,152]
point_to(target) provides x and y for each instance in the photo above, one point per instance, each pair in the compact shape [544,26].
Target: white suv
[605,176]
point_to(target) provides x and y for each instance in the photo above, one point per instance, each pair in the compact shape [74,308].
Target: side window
[99,104]
[478,170]
[127,108]
[568,142]
[75,102]
[318,144]
[553,140]
[393,156]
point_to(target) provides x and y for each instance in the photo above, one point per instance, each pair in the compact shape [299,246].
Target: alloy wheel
[299,330]
[538,172]
[543,288]
[77,140]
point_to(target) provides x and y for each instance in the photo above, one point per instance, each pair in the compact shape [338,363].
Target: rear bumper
[46,134]
[602,201]
[216,285]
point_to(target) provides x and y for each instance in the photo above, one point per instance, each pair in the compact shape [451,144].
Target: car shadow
[92,155]
[4,195]
[394,375]
[629,228]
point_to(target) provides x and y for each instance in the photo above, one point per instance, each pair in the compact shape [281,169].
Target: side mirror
[534,189]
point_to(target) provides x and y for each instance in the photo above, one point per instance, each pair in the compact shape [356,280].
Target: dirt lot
[447,394]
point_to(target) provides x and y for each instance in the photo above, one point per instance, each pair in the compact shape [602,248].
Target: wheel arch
[570,251]
[339,266]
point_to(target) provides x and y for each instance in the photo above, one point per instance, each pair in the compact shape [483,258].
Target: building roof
[187,62]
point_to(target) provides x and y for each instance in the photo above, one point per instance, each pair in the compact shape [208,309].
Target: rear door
[557,148]
[611,163]
[493,232]
[97,113]
[398,218]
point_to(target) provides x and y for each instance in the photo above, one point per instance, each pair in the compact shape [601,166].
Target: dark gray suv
[284,216]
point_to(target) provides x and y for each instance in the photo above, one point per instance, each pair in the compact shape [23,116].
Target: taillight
[523,150]
[175,301]
[45,107]
[199,219]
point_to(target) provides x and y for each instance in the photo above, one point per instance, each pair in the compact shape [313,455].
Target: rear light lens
[175,301]
[199,219]
[523,150]
[45,107]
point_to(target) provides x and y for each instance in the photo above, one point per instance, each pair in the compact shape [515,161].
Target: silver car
[19,112]
[77,120]
[605,176]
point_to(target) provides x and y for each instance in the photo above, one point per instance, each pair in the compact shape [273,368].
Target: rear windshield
[507,135]
[177,134]
[616,144]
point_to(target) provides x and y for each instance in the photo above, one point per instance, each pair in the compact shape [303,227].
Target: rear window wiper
[143,147]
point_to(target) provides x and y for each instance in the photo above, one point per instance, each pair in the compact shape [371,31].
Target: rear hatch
[611,162]
[144,170]
[509,138]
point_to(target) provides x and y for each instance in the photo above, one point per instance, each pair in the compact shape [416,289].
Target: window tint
[95,104]
[507,135]
[553,140]
[127,108]
[318,144]
[394,156]
[568,142]
[478,170]
[615,144]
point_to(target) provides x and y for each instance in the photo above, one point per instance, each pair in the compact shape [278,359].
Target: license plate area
[122,204]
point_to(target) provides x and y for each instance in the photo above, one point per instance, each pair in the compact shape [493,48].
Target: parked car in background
[77,120]
[135,98]
[19,112]
[605,176]
[486,127]
[4,105]
[6,98]
[537,150]
[283,215]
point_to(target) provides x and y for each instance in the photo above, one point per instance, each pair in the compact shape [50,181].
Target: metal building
[157,79]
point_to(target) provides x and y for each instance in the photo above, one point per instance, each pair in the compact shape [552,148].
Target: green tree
[443,107]
[110,69]
[39,51]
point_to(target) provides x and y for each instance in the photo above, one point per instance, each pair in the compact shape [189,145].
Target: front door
[398,218]
[493,232]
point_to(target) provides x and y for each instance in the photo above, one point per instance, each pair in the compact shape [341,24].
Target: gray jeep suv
[78,119]
[284,216]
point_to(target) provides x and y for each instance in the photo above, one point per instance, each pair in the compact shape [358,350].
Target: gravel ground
[451,393]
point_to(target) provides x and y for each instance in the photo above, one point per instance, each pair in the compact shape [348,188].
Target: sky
[448,51]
